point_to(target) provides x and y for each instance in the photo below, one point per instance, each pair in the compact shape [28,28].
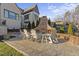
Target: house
[11,14]
[59,22]
[31,15]
[13,18]
[60,26]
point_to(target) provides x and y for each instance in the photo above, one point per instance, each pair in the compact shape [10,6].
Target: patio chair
[25,34]
[39,36]
[49,38]
[43,38]
[46,37]
[33,35]
[54,37]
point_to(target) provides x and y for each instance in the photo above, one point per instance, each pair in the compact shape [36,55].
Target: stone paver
[45,49]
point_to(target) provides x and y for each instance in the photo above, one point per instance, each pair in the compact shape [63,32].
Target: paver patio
[45,49]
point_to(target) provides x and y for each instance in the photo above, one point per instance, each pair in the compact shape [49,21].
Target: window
[26,16]
[6,13]
[11,15]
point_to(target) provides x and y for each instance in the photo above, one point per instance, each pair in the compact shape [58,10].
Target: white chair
[39,36]
[26,35]
[46,37]
[43,38]
[54,37]
[49,38]
[34,34]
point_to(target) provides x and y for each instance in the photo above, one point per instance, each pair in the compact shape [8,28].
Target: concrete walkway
[44,49]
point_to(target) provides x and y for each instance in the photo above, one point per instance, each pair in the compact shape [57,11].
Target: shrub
[62,29]
[70,30]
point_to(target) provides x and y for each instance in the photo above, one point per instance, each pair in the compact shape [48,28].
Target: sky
[51,10]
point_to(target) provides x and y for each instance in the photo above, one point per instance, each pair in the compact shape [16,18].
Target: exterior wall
[3,30]
[11,24]
[59,22]
[31,17]
[0,11]
[22,23]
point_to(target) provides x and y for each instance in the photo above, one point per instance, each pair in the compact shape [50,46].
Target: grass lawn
[6,50]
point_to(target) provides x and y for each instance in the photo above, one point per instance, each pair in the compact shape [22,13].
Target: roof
[59,22]
[19,8]
[32,8]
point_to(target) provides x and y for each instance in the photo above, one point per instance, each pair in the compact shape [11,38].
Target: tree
[39,19]
[49,22]
[54,25]
[77,10]
[33,25]
[62,29]
[29,25]
[70,30]
[67,16]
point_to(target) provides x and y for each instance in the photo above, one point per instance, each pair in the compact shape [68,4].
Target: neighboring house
[30,15]
[59,23]
[10,13]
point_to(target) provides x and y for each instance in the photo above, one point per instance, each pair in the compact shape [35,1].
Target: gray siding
[10,22]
